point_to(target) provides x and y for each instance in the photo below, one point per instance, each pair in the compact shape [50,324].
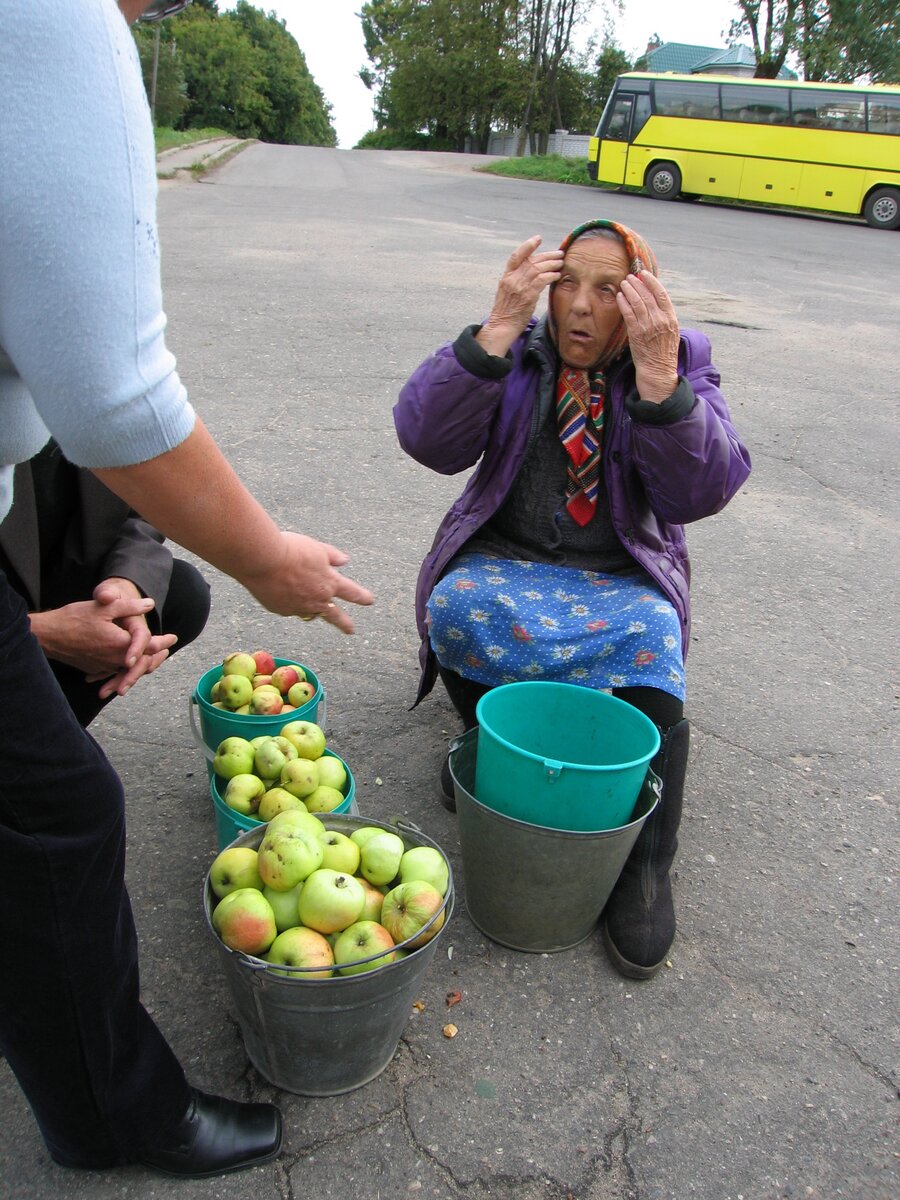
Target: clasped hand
[106,637]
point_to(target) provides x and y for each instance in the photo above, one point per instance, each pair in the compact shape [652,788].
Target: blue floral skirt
[503,620]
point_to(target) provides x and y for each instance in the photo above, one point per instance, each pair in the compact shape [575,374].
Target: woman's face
[584,300]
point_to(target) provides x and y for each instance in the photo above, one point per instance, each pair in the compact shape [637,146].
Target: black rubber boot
[638,923]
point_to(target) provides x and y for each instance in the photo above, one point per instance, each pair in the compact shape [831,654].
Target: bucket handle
[208,753]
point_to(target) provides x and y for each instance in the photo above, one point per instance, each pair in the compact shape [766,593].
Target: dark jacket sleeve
[120,543]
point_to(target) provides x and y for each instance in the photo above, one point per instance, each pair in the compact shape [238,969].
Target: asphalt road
[302,286]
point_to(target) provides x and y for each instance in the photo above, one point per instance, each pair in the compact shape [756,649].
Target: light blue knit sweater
[82,346]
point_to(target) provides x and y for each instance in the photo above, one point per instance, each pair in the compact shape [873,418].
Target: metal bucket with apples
[528,886]
[322,1003]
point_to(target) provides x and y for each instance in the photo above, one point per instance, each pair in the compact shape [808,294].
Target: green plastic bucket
[216,724]
[561,756]
[231,824]
[324,1037]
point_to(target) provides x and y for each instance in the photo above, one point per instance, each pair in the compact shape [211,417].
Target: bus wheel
[663,181]
[882,208]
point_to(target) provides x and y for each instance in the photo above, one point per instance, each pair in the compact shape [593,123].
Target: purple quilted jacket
[664,465]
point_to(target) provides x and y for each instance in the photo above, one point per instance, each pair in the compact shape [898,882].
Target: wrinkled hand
[305,582]
[106,637]
[653,336]
[520,286]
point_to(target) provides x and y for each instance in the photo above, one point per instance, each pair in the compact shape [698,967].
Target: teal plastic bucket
[231,824]
[216,724]
[561,756]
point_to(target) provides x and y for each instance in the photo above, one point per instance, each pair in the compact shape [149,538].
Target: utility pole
[153,76]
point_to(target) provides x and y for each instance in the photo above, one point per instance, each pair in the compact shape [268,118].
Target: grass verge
[170,139]
[547,168]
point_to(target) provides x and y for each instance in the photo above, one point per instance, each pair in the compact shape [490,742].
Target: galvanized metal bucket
[322,1037]
[530,887]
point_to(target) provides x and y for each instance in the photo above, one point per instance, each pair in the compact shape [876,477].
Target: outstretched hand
[653,335]
[526,275]
[307,583]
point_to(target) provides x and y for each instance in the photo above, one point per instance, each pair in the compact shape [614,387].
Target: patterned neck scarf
[580,394]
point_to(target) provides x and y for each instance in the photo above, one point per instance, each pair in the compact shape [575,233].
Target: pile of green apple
[314,898]
[254,685]
[269,774]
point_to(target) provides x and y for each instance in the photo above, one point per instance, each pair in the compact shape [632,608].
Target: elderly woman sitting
[599,431]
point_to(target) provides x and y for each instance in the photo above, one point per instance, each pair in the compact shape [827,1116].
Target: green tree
[298,112]
[168,92]
[772,27]
[843,41]
[439,67]
[225,73]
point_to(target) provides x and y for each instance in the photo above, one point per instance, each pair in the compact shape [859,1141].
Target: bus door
[614,139]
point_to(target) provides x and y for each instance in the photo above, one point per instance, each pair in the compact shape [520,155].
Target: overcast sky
[330,36]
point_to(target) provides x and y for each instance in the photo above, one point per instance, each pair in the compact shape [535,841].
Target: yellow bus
[828,146]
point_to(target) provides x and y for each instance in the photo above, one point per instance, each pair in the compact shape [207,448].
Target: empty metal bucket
[322,1037]
[530,887]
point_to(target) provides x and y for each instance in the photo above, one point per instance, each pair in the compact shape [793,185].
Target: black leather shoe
[216,1136]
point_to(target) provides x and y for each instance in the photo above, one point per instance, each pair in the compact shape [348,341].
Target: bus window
[825,110]
[618,121]
[641,114]
[884,115]
[756,105]
[687,99]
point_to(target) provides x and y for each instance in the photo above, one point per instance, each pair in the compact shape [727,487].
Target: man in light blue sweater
[83,358]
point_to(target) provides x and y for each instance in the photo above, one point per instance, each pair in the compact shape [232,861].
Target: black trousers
[98,1074]
[184,613]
